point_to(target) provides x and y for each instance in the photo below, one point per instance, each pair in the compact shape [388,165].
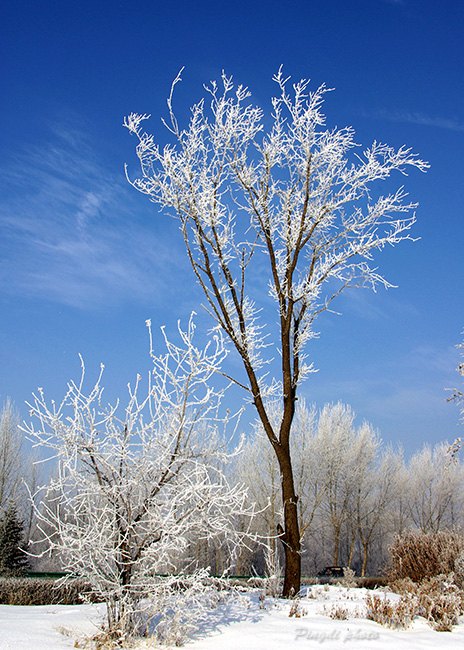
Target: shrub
[459,570]
[392,614]
[319,592]
[441,602]
[438,599]
[338,612]
[42,591]
[418,555]
[296,610]
[348,579]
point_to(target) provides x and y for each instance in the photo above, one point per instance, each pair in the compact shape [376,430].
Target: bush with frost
[135,489]
[418,555]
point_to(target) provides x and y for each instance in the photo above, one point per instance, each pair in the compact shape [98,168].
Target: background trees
[13,560]
[12,465]
[18,470]
[338,453]
[375,499]
[355,493]
[286,206]
[434,489]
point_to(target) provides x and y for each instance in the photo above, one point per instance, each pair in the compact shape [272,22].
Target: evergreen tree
[13,561]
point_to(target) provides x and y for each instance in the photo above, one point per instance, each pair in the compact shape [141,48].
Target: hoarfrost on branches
[291,194]
[289,206]
[136,488]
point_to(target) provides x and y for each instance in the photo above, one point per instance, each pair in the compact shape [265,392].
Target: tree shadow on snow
[235,609]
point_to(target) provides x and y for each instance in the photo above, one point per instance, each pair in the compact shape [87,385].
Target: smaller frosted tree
[337,452]
[133,489]
[13,560]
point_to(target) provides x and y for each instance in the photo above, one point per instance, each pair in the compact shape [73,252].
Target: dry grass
[417,555]
[42,591]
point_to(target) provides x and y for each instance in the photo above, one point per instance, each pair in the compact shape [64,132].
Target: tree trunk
[336,545]
[350,557]
[291,541]
[364,563]
[290,536]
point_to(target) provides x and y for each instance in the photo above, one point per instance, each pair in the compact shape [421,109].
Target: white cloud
[420,118]
[71,231]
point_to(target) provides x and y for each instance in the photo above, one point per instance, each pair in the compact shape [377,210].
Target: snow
[46,627]
[239,624]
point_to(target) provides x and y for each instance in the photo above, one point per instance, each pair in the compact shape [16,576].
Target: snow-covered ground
[239,625]
[46,627]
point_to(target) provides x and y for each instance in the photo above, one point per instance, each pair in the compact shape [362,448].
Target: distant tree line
[354,492]
[354,495]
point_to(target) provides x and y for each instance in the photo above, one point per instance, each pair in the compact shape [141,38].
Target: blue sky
[85,260]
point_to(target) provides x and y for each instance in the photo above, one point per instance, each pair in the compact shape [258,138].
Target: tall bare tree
[258,469]
[288,207]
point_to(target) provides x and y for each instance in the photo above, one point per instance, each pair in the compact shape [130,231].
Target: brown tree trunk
[291,541]
[350,557]
[364,563]
[336,545]
[290,536]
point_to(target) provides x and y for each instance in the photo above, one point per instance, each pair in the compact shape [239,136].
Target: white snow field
[237,625]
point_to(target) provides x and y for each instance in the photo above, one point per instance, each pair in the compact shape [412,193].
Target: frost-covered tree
[258,469]
[377,489]
[337,451]
[458,395]
[18,471]
[12,465]
[135,486]
[434,489]
[281,201]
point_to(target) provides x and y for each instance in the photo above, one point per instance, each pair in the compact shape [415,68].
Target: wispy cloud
[71,232]
[420,118]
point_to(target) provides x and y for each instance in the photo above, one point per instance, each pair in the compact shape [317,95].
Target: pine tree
[13,561]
